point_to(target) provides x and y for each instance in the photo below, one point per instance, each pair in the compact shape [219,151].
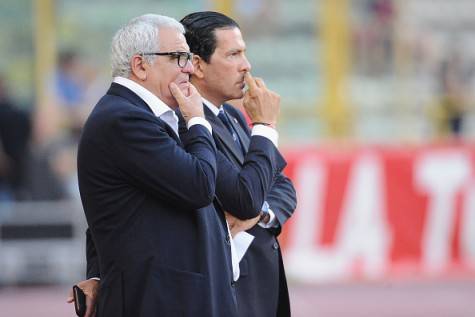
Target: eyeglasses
[181,57]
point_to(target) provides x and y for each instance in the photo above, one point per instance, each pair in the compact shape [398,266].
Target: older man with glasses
[161,245]
[158,252]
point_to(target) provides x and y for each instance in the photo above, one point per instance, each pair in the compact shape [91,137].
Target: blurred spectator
[383,16]
[26,173]
[45,181]
[72,92]
[375,37]
[453,76]
[15,131]
[72,83]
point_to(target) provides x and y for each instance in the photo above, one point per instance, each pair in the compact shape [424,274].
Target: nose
[188,68]
[246,66]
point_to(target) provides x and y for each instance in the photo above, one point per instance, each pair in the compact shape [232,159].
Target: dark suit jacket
[161,246]
[262,287]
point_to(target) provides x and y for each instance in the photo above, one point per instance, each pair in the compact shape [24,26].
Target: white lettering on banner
[362,233]
[303,255]
[468,226]
[441,175]
[311,177]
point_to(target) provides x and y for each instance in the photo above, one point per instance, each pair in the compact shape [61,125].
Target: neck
[215,100]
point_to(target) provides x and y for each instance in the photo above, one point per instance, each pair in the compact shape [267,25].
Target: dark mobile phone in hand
[79,301]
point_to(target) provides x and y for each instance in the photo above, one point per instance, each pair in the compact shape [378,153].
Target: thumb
[177,94]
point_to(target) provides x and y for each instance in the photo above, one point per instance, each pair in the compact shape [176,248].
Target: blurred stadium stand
[370,89]
[41,243]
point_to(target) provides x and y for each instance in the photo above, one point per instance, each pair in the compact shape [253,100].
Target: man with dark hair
[221,68]
[200,31]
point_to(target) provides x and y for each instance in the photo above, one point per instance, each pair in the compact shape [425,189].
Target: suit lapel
[132,97]
[124,92]
[172,133]
[221,133]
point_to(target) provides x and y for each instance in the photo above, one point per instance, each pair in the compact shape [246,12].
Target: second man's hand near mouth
[261,104]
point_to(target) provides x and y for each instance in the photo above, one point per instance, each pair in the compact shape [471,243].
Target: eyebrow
[236,50]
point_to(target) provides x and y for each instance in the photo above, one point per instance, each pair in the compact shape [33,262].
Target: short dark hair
[200,31]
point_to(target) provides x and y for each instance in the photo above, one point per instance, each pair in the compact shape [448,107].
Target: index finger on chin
[176,92]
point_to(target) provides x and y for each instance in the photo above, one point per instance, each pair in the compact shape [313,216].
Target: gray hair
[140,35]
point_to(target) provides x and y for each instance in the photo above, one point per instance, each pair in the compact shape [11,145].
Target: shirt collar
[157,106]
[212,107]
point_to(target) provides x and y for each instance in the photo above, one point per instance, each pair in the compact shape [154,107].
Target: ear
[199,65]
[139,67]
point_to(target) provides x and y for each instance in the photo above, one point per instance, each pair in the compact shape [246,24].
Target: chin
[171,102]
[239,95]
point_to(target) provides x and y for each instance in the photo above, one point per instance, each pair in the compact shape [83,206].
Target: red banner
[373,212]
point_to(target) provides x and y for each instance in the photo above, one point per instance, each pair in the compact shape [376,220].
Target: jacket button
[275,246]
[233,284]
[228,241]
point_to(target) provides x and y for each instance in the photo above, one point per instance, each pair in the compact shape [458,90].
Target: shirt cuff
[267,132]
[95,278]
[199,120]
[271,223]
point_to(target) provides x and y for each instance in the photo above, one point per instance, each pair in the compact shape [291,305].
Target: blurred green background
[351,73]
[362,70]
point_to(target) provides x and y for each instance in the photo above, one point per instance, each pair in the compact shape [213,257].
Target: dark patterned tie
[227,123]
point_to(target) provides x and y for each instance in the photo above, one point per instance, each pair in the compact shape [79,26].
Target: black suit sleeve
[92,268]
[242,191]
[145,148]
[282,200]
[282,197]
[142,147]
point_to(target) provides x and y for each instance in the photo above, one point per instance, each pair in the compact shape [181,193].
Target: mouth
[241,84]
